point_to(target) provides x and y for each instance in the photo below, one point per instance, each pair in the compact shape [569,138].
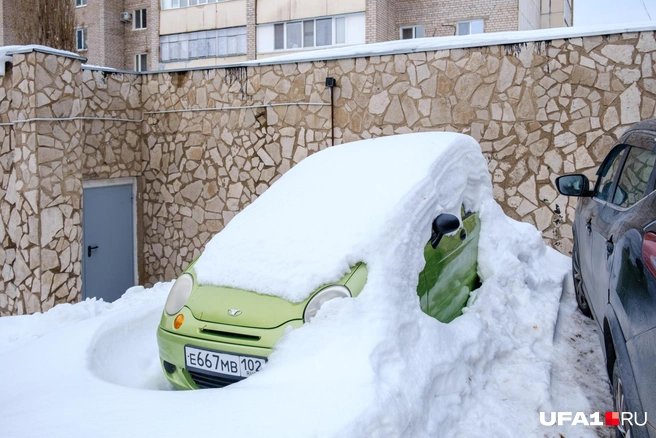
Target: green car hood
[216,304]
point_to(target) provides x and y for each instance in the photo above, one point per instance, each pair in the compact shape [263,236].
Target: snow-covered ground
[91,369]
[371,366]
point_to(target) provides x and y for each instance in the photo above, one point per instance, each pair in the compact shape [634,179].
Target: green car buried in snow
[212,336]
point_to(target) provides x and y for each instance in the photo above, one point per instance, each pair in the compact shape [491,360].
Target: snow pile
[375,365]
[346,204]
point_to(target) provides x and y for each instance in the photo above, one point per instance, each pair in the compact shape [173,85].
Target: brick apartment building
[8,12]
[178,34]
[122,34]
[194,33]
[111,33]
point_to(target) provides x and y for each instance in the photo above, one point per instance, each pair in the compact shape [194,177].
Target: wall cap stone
[16,50]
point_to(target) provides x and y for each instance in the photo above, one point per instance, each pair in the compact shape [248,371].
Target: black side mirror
[443,224]
[573,185]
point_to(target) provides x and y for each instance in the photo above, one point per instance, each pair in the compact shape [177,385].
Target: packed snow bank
[346,204]
[374,365]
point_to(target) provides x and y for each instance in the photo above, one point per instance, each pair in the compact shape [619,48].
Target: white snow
[455,42]
[346,204]
[374,365]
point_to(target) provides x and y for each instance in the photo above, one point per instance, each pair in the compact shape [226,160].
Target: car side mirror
[443,224]
[573,185]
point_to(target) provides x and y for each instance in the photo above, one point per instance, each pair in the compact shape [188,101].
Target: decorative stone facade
[211,141]
[43,164]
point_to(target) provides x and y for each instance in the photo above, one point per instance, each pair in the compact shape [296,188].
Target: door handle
[610,246]
[89,249]
[463,234]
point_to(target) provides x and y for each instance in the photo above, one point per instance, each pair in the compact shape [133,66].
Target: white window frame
[223,36]
[414,28]
[177,4]
[469,22]
[568,13]
[333,19]
[138,66]
[141,23]
[80,3]
[81,35]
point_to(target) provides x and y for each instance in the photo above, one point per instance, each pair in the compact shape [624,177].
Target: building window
[81,38]
[309,33]
[279,36]
[80,3]
[410,32]
[139,20]
[470,27]
[174,4]
[141,62]
[205,44]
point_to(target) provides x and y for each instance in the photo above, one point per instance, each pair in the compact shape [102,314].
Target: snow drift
[370,201]
[374,365]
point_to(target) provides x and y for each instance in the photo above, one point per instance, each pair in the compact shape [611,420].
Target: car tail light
[649,252]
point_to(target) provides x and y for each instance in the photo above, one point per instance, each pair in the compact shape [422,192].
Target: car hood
[226,305]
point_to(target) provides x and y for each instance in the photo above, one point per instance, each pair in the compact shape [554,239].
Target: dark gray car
[614,268]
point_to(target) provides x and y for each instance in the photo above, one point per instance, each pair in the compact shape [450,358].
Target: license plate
[223,363]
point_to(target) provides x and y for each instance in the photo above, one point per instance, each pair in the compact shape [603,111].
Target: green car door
[450,272]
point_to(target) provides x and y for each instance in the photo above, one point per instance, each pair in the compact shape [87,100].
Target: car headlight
[179,294]
[324,295]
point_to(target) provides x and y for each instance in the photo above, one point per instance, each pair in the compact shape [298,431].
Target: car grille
[204,381]
[231,335]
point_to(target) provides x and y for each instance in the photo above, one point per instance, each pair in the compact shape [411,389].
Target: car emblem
[234,312]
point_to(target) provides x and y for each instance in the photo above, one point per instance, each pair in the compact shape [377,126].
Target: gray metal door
[108,239]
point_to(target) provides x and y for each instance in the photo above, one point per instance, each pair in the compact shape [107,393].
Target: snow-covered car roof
[343,205]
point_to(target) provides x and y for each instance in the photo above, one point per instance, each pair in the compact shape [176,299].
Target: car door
[624,226]
[450,272]
[632,289]
[593,225]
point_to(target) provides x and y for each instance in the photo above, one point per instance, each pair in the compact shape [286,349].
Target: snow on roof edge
[91,67]
[6,53]
[431,44]
[454,42]
[375,49]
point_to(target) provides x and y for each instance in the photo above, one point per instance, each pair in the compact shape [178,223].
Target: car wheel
[581,300]
[619,402]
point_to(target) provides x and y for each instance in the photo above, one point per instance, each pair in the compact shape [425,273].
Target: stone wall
[7,141]
[44,163]
[538,110]
[203,167]
[211,141]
